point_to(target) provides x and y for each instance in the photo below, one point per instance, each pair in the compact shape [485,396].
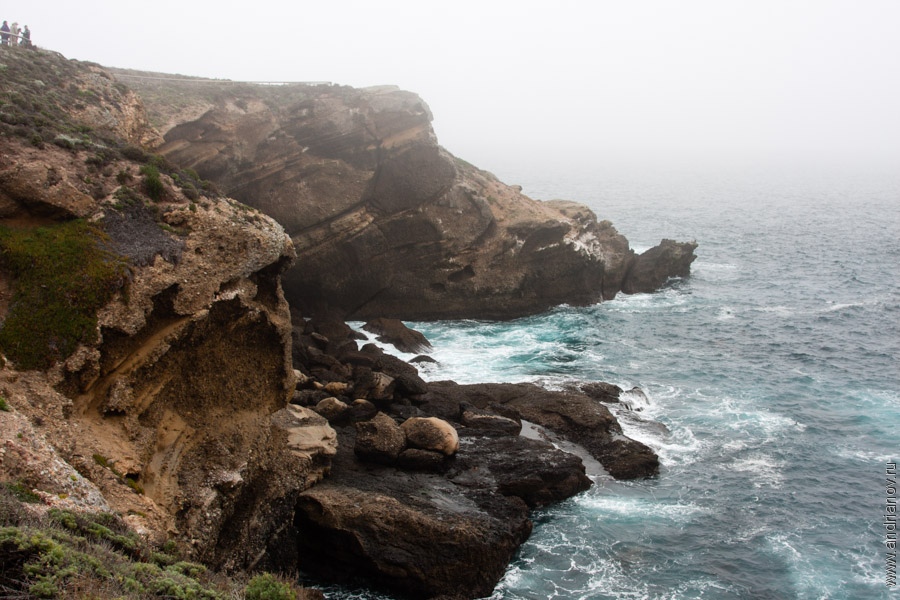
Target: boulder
[431,433]
[362,410]
[332,409]
[379,440]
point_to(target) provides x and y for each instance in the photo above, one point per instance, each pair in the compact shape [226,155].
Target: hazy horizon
[654,84]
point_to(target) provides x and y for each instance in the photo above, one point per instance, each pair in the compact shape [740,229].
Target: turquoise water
[774,369]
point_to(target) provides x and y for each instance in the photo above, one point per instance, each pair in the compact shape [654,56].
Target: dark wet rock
[309,397]
[373,385]
[422,460]
[332,409]
[396,333]
[653,268]
[574,416]
[423,358]
[602,391]
[423,538]
[532,470]
[440,526]
[483,422]
[361,410]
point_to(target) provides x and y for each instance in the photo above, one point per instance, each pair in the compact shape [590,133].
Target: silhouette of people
[4,34]
[26,38]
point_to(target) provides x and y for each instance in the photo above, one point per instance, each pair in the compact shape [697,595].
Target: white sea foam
[639,508]
[763,469]
[715,272]
[865,456]
[725,313]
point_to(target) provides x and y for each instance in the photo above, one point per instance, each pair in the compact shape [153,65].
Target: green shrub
[3,405]
[133,153]
[267,587]
[21,492]
[153,185]
[62,276]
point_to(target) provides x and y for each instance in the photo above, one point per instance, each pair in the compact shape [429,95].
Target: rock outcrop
[193,401]
[171,397]
[386,222]
[430,496]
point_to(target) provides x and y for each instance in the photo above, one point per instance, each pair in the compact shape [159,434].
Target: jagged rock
[308,434]
[431,433]
[379,439]
[602,391]
[422,358]
[394,332]
[184,387]
[418,531]
[653,268]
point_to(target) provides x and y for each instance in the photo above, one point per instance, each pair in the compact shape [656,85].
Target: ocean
[770,383]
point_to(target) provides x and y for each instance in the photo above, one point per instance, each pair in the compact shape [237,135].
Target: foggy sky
[653,82]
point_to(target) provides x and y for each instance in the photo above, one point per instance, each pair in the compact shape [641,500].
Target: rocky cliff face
[172,398]
[151,366]
[386,223]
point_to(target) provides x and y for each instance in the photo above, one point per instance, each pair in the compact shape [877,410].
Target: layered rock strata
[193,406]
[170,407]
[386,222]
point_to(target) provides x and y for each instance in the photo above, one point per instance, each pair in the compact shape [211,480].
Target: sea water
[769,386]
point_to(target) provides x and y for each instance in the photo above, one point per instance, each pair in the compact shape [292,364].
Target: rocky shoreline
[429,522]
[243,423]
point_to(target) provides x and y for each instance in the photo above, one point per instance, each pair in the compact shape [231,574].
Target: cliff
[154,368]
[147,341]
[384,220]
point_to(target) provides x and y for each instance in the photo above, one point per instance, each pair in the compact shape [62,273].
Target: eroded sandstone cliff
[386,222]
[172,399]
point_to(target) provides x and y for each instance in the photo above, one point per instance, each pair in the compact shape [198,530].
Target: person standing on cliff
[26,37]
[4,34]
[14,34]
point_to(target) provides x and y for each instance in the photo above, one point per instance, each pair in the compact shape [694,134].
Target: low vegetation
[68,555]
[61,275]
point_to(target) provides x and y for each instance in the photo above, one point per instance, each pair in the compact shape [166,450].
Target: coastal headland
[209,240]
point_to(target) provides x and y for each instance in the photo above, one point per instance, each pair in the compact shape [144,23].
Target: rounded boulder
[431,433]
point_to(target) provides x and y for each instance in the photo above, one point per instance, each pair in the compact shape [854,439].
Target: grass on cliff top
[38,92]
[68,555]
[62,275]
